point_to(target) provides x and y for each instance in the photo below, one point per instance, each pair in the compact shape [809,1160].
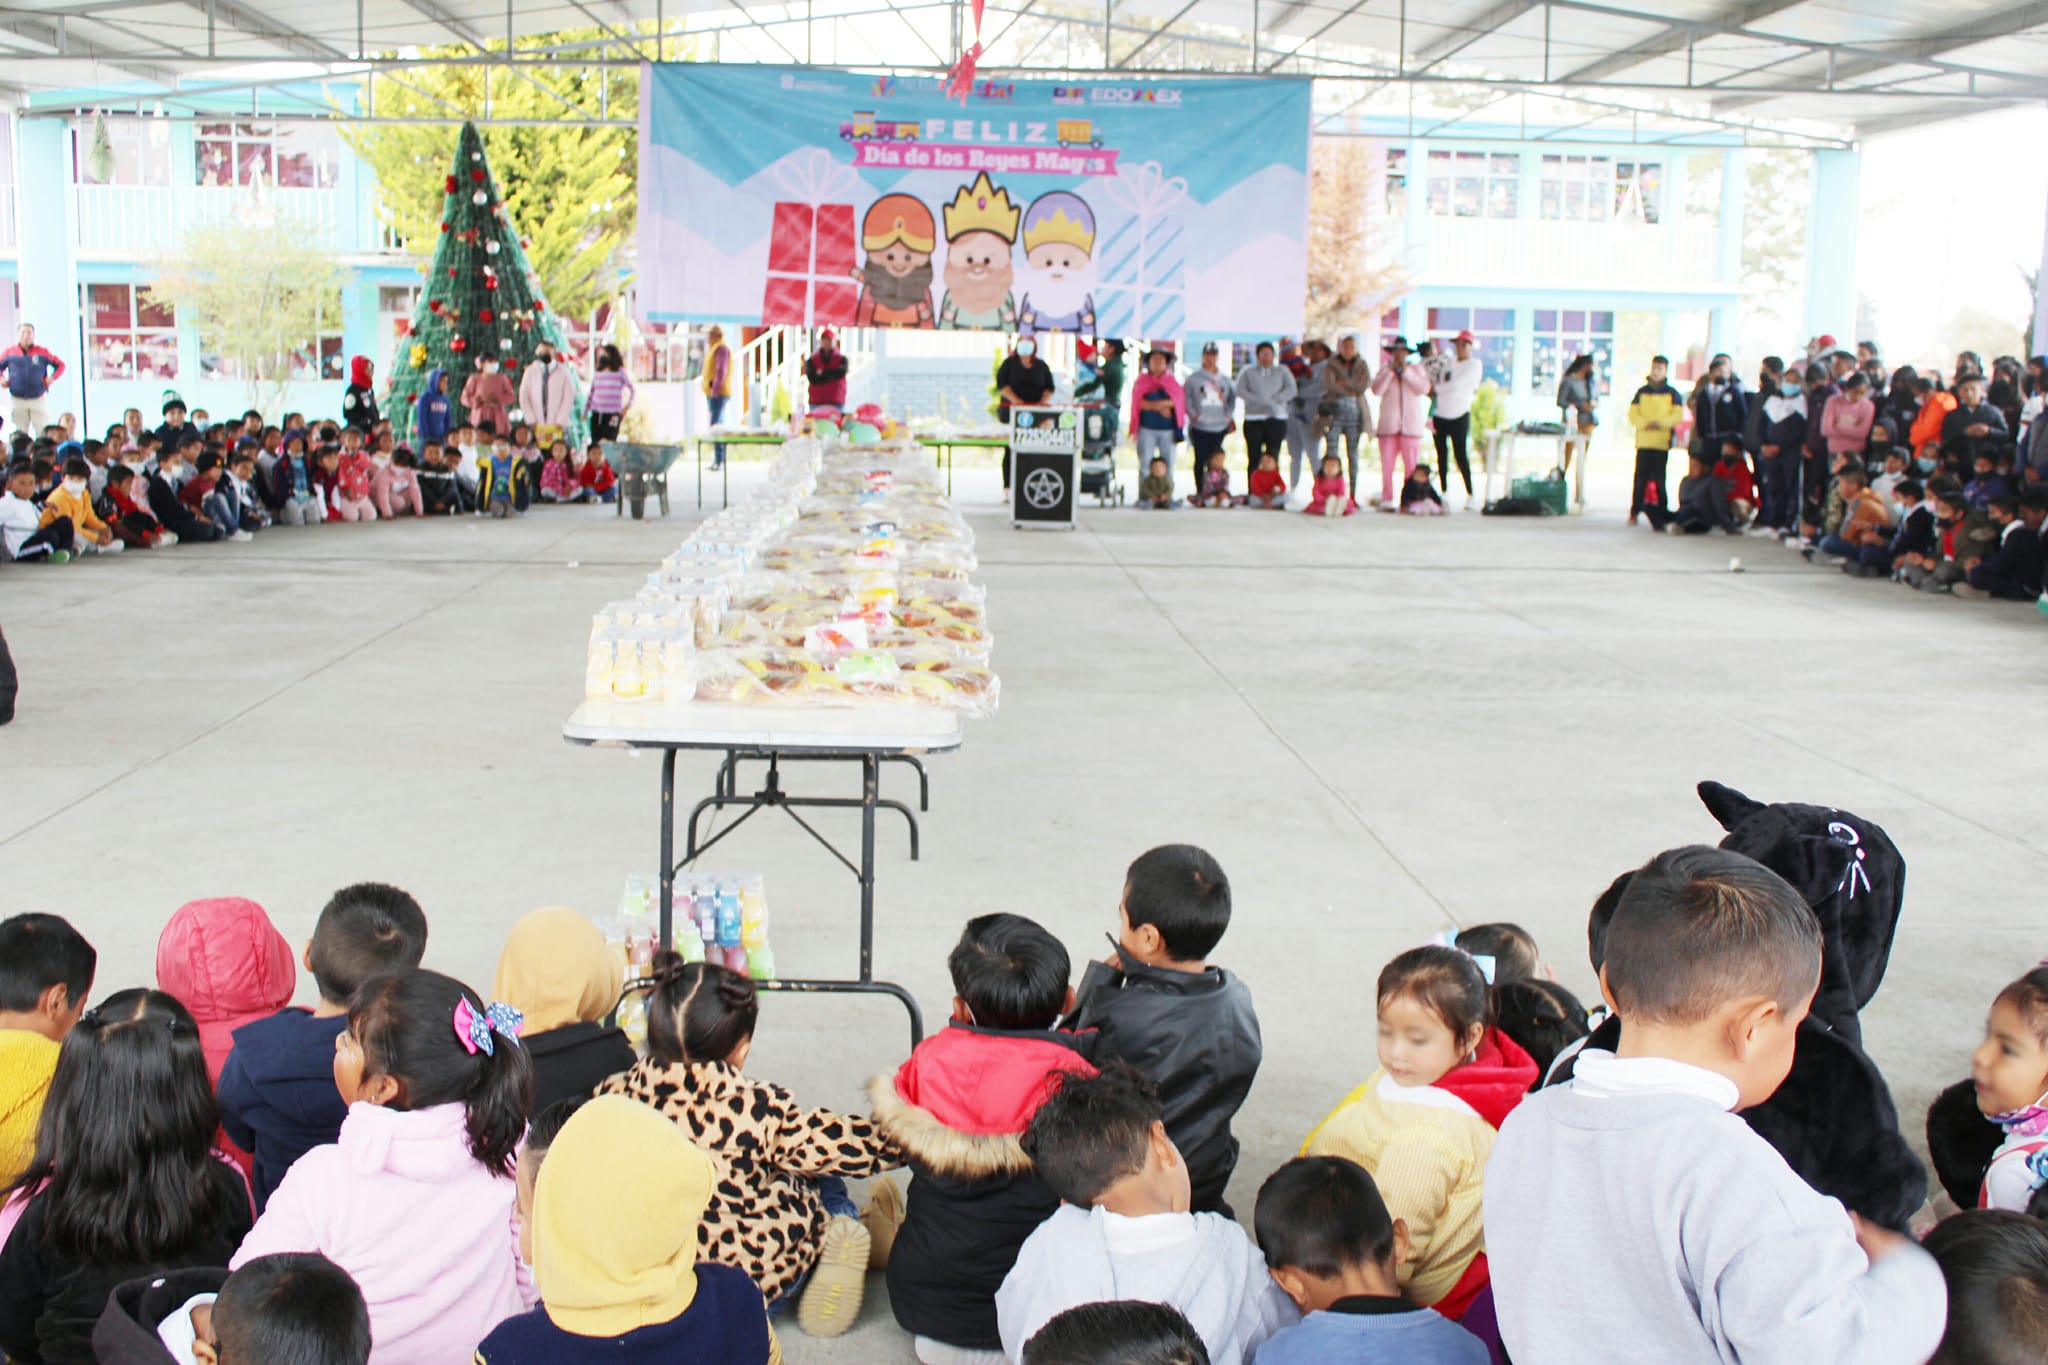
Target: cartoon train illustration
[865,127]
[1078,132]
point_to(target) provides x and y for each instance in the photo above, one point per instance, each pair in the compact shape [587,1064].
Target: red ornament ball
[457,344]
[444,225]
[486,316]
[477,176]
[540,305]
[451,185]
[451,272]
[433,305]
[490,281]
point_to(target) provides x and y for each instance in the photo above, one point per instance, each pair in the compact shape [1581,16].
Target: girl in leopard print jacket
[767,1215]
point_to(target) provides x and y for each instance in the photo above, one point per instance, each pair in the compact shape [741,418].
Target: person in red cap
[825,372]
[1457,379]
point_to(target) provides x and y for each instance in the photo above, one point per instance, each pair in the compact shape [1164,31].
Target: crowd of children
[200,1171]
[1937,484]
[192,480]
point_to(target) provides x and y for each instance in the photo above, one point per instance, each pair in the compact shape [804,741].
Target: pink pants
[395,490]
[1407,447]
[355,509]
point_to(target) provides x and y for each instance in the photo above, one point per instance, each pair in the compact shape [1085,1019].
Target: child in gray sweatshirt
[1632,1215]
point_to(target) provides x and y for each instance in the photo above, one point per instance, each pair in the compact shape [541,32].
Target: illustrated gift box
[1143,260]
[811,254]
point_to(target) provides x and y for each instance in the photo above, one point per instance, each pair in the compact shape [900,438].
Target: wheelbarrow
[642,469]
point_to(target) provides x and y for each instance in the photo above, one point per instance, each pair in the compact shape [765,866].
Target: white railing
[135,220]
[777,356]
[10,233]
[1559,255]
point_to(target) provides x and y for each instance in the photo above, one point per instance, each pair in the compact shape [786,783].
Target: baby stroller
[1098,454]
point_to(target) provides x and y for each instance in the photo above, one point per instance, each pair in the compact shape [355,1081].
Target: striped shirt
[610,391]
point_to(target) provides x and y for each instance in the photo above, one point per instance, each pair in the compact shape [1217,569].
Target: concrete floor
[1382,727]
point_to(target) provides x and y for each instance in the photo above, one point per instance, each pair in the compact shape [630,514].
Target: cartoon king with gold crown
[981,228]
[1059,265]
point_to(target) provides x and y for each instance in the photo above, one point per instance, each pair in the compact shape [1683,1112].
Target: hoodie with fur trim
[957,1109]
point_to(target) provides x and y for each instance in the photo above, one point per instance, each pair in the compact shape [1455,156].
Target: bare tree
[1355,271]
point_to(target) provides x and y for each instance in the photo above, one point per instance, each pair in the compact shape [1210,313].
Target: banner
[812,196]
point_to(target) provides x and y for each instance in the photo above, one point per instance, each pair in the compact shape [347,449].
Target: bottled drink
[728,922]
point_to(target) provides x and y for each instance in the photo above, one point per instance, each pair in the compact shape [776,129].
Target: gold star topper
[981,207]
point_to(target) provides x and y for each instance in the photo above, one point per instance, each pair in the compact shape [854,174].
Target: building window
[1493,331]
[320,358]
[298,154]
[1475,184]
[1565,333]
[1597,189]
[130,334]
[1397,179]
[141,147]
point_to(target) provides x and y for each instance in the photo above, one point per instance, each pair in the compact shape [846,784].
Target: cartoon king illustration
[1059,266]
[981,227]
[896,285]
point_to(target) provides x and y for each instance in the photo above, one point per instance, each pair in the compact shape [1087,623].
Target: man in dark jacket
[1753,424]
[1720,409]
[1974,428]
[1187,1026]
[2013,572]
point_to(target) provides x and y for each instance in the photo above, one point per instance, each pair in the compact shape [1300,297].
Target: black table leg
[668,846]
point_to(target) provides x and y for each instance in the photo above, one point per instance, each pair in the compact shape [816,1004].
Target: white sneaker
[167,538]
[112,547]
[1470,502]
[240,537]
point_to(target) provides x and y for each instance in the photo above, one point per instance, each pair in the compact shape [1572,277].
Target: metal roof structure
[1794,72]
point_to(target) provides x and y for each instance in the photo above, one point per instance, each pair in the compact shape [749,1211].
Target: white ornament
[479,198]
[476,156]
[491,248]
[504,343]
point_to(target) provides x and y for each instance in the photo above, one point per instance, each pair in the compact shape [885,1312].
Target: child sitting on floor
[781,1211]
[23,536]
[239,487]
[117,507]
[72,499]
[294,1307]
[594,472]
[416,1199]
[558,481]
[440,493]
[395,484]
[958,1109]
[1267,489]
[557,970]
[1330,497]
[277,1093]
[1419,497]
[353,478]
[1159,1005]
[1995,1264]
[48,969]
[1124,1227]
[1331,1244]
[503,488]
[2010,1068]
[1424,1122]
[617,1210]
[1117,1332]
[1638,1177]
[125,1180]
[1213,487]
[1156,489]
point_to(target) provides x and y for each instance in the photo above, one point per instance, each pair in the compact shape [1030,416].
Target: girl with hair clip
[780,1211]
[1424,1122]
[416,1198]
[2009,1071]
[125,1182]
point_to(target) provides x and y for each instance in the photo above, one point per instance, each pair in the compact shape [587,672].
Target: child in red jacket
[1732,469]
[354,473]
[132,523]
[1267,488]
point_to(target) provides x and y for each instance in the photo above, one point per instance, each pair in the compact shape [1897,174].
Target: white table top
[731,725]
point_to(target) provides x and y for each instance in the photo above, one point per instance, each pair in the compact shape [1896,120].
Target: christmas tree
[481,298]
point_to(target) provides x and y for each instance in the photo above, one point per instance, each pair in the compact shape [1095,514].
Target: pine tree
[480,300]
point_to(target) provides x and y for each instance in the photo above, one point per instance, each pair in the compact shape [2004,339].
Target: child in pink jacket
[1401,388]
[395,484]
[416,1200]
[1848,416]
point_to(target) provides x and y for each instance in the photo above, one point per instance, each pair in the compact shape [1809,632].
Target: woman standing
[1575,399]
[1344,410]
[717,384]
[611,393]
[1159,410]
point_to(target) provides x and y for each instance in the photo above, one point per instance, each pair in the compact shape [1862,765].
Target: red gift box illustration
[811,254]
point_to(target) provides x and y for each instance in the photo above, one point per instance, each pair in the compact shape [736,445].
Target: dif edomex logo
[1133,94]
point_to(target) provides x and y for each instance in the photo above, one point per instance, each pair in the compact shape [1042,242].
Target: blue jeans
[717,406]
[832,1193]
[1834,545]
[1156,444]
[221,513]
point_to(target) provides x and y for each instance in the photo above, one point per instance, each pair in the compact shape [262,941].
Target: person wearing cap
[1107,385]
[1212,408]
[175,428]
[1268,391]
[825,373]
[1401,386]
[1159,409]
[1457,383]
[1344,410]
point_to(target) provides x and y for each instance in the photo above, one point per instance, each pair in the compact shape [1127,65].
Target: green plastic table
[731,438]
[948,443]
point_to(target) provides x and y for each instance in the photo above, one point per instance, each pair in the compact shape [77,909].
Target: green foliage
[256,287]
[1489,412]
[570,189]
[503,321]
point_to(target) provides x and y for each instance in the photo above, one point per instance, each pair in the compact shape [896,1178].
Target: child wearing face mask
[293,489]
[395,484]
[489,395]
[1778,457]
[1425,1121]
[351,498]
[170,509]
[73,499]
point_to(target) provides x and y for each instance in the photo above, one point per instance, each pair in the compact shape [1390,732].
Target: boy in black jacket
[1914,539]
[1157,1004]
[2012,571]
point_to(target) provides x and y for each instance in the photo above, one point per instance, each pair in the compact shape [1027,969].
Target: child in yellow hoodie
[1654,413]
[73,498]
[1424,1122]
[46,968]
